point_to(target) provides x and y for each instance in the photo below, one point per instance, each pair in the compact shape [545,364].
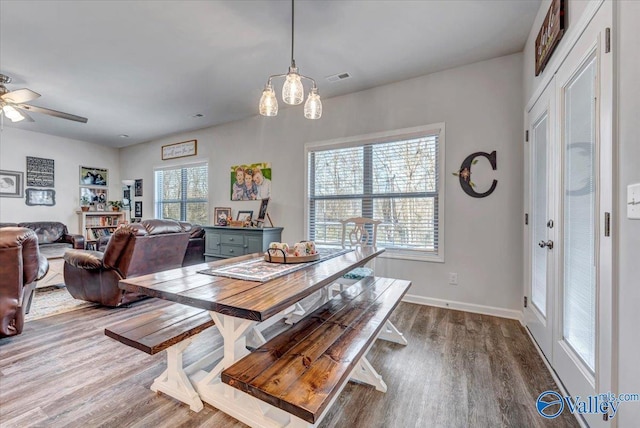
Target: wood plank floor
[459,370]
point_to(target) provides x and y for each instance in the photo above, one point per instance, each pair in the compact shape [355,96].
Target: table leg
[233,331]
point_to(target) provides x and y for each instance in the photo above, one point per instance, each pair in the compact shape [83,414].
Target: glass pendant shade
[12,114]
[313,106]
[292,90]
[268,102]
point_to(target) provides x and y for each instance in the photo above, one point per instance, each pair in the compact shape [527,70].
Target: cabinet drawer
[212,243]
[231,250]
[231,239]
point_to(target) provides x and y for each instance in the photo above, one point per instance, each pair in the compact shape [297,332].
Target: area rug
[50,301]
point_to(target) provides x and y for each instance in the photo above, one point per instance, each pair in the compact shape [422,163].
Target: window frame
[390,136]
[183,202]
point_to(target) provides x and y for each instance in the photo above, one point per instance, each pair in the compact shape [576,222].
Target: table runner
[262,271]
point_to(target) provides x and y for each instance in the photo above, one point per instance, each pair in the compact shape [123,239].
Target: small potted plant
[115,205]
[85,202]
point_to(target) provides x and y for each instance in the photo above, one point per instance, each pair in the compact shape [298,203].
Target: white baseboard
[468,307]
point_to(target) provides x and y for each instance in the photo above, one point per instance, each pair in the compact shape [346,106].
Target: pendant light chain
[293,17]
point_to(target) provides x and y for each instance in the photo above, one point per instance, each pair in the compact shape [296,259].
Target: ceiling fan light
[292,90]
[12,113]
[268,102]
[313,106]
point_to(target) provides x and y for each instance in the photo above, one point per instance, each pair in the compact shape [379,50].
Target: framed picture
[244,216]
[41,197]
[40,172]
[11,184]
[101,207]
[263,209]
[221,215]
[251,181]
[180,150]
[138,209]
[126,196]
[95,195]
[90,176]
[138,187]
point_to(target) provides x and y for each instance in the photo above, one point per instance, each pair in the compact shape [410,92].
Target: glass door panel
[539,215]
[579,208]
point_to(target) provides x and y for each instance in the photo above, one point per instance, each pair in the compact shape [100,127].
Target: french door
[570,182]
[541,179]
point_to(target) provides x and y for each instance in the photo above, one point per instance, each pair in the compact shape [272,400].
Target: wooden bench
[303,369]
[169,326]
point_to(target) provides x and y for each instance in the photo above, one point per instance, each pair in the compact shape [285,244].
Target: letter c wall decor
[464,174]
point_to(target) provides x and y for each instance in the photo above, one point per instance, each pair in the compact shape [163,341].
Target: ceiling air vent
[338,77]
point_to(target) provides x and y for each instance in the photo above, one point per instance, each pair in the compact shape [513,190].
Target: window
[182,192]
[393,177]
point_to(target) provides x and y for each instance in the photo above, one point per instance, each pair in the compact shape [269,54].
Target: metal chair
[358,232]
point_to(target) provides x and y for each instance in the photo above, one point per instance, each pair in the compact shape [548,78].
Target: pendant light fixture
[292,90]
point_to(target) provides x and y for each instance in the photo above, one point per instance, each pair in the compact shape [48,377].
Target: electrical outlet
[453,278]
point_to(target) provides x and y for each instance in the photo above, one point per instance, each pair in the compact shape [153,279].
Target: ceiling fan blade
[55,113]
[27,118]
[20,96]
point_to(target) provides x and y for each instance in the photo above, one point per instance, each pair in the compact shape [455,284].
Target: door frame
[606,334]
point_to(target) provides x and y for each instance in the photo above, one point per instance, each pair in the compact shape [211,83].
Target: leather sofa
[53,237]
[21,265]
[133,250]
[195,248]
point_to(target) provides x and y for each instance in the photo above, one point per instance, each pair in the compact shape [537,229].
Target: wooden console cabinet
[223,242]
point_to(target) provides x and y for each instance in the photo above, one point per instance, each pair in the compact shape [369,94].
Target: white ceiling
[145,68]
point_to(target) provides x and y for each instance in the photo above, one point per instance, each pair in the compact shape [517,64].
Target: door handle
[548,244]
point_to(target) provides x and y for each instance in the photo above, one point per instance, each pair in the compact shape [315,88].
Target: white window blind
[395,181]
[182,193]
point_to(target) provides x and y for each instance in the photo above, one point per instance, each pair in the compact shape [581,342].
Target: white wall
[481,105]
[628,40]
[17,144]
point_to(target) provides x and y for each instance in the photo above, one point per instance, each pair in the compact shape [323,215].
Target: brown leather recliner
[133,250]
[195,249]
[21,265]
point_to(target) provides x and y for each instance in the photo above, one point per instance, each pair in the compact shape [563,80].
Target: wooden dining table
[241,310]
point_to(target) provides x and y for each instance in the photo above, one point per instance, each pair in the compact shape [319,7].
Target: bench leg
[365,373]
[390,333]
[174,382]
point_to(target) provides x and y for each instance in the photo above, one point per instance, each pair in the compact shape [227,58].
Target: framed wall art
[40,172]
[40,197]
[90,176]
[180,150]
[251,181]
[138,187]
[95,195]
[11,184]
[138,209]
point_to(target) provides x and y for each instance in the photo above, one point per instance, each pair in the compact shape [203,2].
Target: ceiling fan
[12,104]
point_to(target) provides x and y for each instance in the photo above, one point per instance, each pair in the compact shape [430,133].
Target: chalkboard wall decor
[464,173]
[40,172]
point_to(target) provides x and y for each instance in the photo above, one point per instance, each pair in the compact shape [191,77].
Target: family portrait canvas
[90,176]
[251,182]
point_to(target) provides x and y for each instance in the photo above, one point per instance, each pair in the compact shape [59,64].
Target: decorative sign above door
[550,34]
